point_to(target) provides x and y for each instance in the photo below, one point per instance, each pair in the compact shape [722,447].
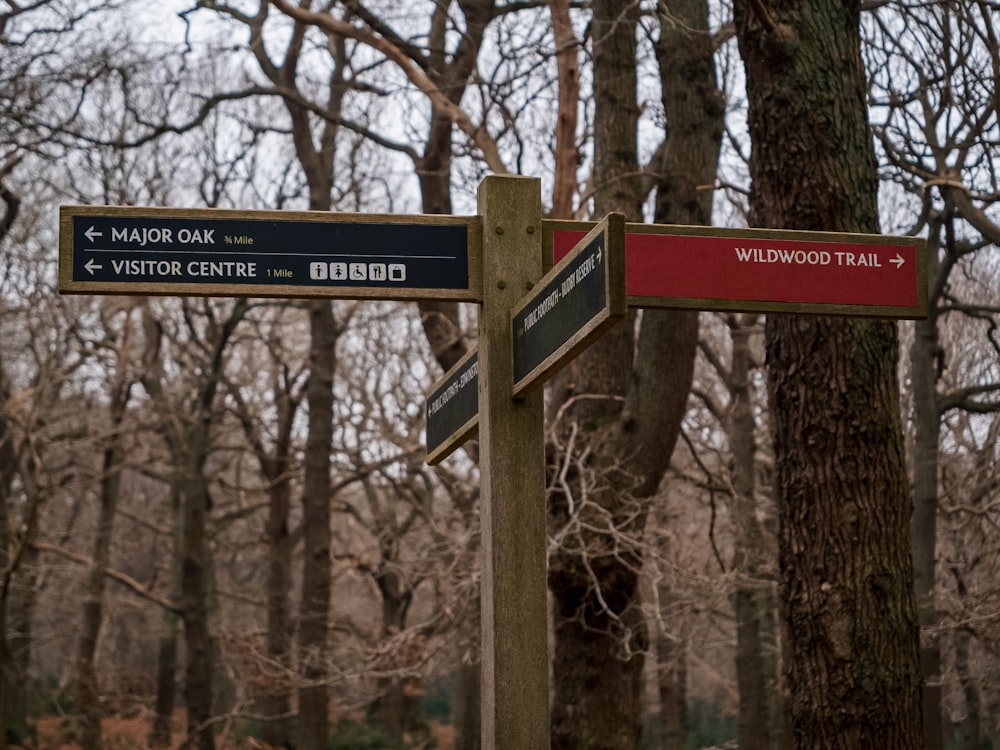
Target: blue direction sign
[573,304]
[127,250]
[453,408]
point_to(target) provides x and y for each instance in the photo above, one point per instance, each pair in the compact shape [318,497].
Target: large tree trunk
[88,693]
[600,630]
[313,724]
[755,600]
[599,627]
[842,490]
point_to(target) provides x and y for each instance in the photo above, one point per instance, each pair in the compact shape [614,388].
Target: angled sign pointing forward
[574,303]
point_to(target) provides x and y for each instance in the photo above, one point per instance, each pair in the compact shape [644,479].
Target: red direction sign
[711,268]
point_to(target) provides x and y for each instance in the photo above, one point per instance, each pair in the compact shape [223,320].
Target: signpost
[757,270]
[492,259]
[128,250]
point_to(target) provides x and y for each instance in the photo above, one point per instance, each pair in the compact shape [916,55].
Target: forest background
[216,517]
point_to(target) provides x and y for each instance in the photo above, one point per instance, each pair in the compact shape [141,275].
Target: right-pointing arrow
[898,260]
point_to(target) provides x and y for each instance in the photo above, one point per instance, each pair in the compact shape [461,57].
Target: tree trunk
[755,600]
[9,677]
[466,718]
[397,708]
[166,680]
[842,490]
[166,661]
[196,562]
[440,318]
[277,702]
[600,629]
[199,667]
[924,357]
[672,685]
[313,723]
[88,692]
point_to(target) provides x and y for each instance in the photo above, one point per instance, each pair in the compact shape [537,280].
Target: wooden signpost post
[530,325]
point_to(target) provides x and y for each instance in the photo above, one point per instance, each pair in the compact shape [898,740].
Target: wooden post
[515,662]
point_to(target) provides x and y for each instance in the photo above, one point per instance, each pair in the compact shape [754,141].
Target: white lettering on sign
[231,268]
[143,236]
[210,268]
[781,255]
[146,267]
[869,260]
[587,265]
[807,257]
[538,311]
[453,388]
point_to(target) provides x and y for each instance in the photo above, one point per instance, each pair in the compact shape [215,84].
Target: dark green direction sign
[571,306]
[453,408]
[128,250]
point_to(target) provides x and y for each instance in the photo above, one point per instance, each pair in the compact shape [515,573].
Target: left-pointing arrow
[91,266]
[92,233]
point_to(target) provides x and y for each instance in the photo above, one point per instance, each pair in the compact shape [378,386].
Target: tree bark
[313,722]
[600,629]
[88,693]
[440,319]
[10,678]
[842,490]
[672,687]
[755,600]
[924,358]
